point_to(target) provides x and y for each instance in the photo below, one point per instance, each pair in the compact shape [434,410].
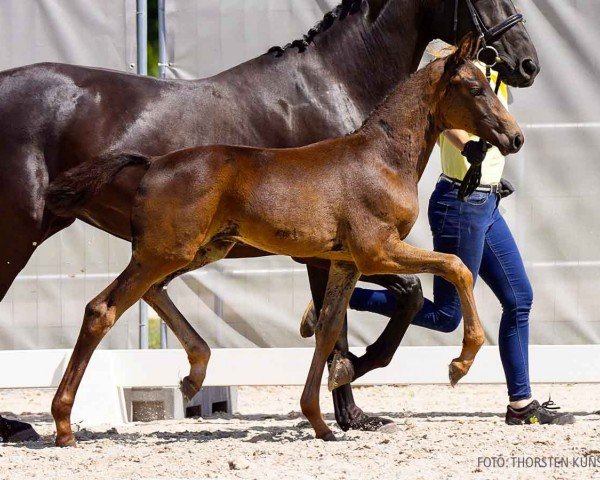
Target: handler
[475,231]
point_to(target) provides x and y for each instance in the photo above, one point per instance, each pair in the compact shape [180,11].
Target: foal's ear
[466,50]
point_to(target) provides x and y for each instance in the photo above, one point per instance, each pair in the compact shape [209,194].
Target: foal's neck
[405,126]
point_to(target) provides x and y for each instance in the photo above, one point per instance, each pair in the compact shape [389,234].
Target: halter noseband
[487,53]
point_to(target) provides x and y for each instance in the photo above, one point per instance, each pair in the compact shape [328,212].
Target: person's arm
[458,138]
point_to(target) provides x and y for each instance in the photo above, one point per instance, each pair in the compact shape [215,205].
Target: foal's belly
[295,241]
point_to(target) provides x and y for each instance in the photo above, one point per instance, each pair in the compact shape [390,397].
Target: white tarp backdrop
[258,302]
[44,307]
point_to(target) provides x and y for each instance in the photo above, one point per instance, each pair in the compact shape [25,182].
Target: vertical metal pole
[142,69]
[142,36]
[162,65]
[162,40]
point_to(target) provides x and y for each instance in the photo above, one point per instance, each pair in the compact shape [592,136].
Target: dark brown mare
[350,200]
[54,117]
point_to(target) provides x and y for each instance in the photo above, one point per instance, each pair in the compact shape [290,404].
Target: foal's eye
[476,91]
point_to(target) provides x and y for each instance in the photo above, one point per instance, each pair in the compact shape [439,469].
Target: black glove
[475,153]
[506,188]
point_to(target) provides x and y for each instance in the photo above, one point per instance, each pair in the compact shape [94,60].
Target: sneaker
[544,414]
[15,431]
[309,320]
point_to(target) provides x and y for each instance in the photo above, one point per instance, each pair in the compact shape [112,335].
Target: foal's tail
[67,194]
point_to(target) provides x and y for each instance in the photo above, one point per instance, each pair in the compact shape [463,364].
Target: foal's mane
[408,84]
[343,10]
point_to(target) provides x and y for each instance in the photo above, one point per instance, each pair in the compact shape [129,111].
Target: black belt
[495,188]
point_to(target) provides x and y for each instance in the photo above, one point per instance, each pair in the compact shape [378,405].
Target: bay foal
[349,200]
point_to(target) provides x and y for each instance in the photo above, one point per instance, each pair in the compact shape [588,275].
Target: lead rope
[488,76]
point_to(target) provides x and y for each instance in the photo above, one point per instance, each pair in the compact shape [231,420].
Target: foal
[193,205]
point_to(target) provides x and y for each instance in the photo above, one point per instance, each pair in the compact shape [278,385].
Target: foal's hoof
[458,369]
[341,372]
[188,388]
[65,441]
[309,320]
[328,437]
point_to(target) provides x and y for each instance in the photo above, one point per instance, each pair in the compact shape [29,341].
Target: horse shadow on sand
[252,428]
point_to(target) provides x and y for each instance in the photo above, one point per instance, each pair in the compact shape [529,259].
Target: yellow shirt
[455,165]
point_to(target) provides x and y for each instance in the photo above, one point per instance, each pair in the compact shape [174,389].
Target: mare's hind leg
[100,315]
[347,414]
[197,349]
[24,224]
[342,279]
[409,301]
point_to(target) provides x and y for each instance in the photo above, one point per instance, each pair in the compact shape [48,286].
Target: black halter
[487,53]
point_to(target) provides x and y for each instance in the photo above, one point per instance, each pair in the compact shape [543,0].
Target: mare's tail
[69,192]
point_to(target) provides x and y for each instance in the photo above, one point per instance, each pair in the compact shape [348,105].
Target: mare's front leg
[392,255]
[342,279]
[348,415]
[409,301]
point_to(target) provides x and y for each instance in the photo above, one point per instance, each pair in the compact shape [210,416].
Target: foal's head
[467,102]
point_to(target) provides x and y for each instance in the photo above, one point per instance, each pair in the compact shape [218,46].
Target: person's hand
[506,188]
[475,153]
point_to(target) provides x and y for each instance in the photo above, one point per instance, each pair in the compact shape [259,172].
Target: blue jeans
[476,232]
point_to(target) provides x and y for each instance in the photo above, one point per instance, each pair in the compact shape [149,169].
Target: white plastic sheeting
[258,302]
[44,307]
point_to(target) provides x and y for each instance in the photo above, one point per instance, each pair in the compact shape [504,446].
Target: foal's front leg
[342,279]
[395,256]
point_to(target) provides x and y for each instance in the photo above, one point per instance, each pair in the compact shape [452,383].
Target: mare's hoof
[65,441]
[15,431]
[341,372]
[457,370]
[365,423]
[188,389]
[309,320]
[328,437]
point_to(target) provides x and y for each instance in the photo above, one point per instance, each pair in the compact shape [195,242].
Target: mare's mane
[344,9]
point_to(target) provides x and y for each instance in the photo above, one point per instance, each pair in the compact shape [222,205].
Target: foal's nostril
[529,67]
[518,142]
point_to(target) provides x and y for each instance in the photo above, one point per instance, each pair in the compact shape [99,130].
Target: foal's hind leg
[100,315]
[197,349]
[409,296]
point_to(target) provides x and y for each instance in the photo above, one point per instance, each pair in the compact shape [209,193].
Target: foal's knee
[461,274]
